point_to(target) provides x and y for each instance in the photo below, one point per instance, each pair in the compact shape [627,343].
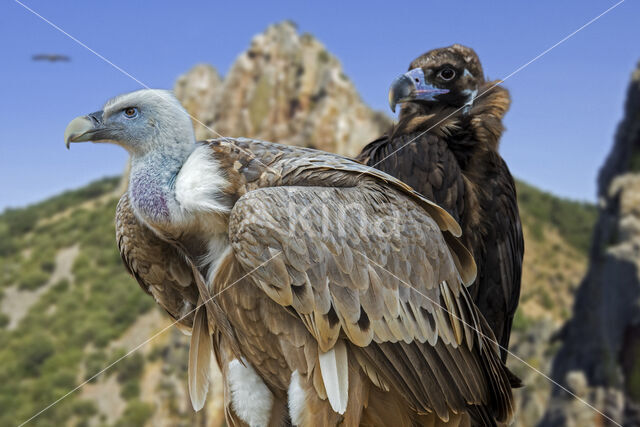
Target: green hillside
[65,333]
[574,219]
[65,299]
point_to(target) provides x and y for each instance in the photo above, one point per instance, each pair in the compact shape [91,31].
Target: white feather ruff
[200,182]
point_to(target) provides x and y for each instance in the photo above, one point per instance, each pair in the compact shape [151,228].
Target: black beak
[401,90]
[84,128]
[412,86]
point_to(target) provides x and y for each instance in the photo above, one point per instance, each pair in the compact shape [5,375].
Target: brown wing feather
[200,354]
[285,165]
[497,290]
[385,314]
[156,265]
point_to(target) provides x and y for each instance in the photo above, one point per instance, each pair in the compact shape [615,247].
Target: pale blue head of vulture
[141,122]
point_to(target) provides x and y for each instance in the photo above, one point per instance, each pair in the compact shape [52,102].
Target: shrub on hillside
[130,367]
[4,320]
[573,219]
[94,363]
[34,350]
[136,414]
[33,279]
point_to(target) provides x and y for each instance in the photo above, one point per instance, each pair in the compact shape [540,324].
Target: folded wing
[156,265]
[368,265]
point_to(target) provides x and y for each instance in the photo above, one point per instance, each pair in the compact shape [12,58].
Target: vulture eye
[130,112]
[447,73]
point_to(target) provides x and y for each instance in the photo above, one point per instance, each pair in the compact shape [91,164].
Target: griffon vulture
[328,292]
[445,146]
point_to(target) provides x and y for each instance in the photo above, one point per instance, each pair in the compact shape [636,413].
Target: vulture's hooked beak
[412,86]
[85,128]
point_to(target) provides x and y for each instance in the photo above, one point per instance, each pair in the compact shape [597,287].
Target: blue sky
[565,106]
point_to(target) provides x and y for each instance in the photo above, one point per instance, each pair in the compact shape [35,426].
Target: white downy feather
[334,367]
[297,399]
[250,397]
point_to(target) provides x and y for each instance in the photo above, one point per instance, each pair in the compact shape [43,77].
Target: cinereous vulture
[445,146]
[328,292]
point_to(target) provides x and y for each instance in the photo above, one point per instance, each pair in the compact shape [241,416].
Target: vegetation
[521,322]
[136,414]
[634,161]
[40,360]
[573,219]
[23,220]
[129,370]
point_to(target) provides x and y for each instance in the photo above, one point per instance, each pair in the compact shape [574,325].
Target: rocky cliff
[286,88]
[599,359]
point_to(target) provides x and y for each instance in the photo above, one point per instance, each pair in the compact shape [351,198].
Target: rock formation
[285,88]
[599,359]
[199,90]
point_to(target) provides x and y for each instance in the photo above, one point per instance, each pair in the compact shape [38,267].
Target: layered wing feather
[357,257]
[497,289]
[166,271]
[362,261]
[157,266]
[456,164]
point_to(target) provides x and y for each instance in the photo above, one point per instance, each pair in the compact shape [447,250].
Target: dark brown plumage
[447,149]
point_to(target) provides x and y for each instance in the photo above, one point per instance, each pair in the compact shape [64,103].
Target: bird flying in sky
[51,57]
[445,146]
[328,292]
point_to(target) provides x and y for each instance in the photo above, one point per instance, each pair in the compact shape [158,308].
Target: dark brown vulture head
[448,76]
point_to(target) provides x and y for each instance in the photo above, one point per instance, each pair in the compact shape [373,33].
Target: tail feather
[334,369]
[200,353]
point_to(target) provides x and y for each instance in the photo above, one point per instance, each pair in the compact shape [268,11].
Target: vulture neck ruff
[180,186]
[482,121]
[439,120]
